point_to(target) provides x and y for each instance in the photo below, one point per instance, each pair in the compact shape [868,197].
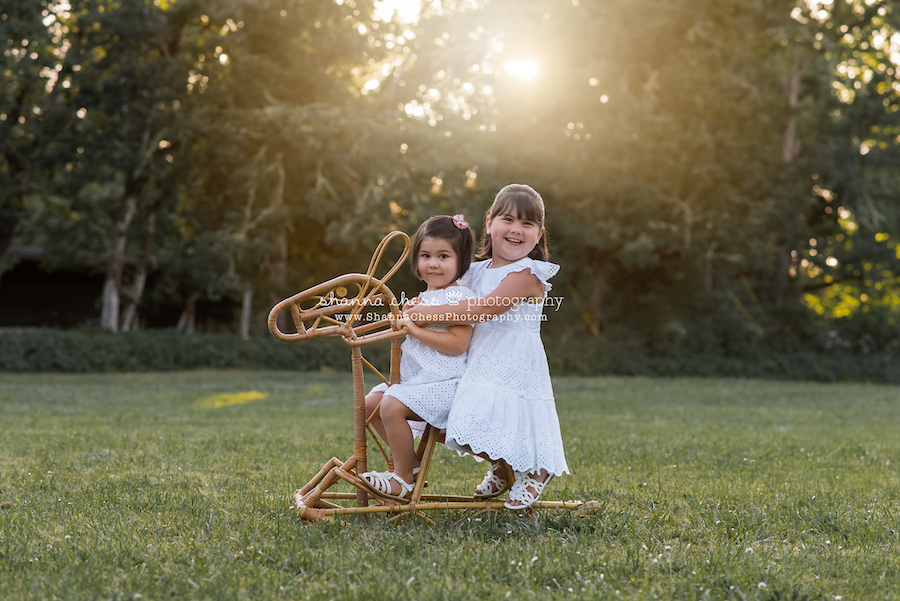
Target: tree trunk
[8,221]
[109,312]
[592,311]
[790,145]
[790,150]
[12,199]
[782,276]
[140,277]
[187,320]
[279,267]
[246,306]
[134,185]
[709,267]
[595,304]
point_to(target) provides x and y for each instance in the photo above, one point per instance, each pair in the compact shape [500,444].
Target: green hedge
[605,356]
[52,350]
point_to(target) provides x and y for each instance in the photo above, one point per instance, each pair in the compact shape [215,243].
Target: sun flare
[525,69]
[406,11]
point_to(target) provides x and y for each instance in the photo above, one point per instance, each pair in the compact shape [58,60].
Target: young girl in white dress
[504,410]
[434,356]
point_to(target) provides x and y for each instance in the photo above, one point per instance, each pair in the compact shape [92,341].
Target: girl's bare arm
[517,287]
[454,342]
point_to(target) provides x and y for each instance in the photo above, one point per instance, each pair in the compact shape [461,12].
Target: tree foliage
[715,172]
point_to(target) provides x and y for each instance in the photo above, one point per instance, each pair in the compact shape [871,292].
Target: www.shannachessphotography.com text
[353,304]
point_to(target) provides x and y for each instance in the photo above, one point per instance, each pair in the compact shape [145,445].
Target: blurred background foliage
[720,176]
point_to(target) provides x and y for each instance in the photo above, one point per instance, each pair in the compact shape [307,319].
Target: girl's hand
[410,314]
[404,321]
[453,342]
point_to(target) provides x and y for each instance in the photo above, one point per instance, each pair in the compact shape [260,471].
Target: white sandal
[496,484]
[415,473]
[519,491]
[379,484]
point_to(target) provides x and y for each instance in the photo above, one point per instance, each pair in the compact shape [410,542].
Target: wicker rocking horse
[330,309]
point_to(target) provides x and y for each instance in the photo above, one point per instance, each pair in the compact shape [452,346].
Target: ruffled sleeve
[543,270]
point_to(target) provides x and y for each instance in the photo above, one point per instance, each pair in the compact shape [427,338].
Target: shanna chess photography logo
[371,310]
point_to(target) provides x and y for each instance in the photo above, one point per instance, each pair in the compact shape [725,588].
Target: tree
[29,110]
[847,261]
[120,86]
[675,151]
[245,149]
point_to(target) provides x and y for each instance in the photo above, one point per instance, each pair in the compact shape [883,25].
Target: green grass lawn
[153,486]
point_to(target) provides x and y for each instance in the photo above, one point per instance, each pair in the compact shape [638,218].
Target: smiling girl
[504,410]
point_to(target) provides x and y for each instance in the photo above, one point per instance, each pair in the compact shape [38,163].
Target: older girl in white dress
[504,410]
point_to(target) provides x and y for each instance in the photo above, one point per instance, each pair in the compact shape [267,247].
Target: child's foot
[527,489]
[497,481]
[389,484]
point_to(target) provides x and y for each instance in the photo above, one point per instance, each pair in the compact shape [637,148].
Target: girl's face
[512,238]
[437,263]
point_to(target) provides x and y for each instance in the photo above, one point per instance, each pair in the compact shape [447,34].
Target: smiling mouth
[512,241]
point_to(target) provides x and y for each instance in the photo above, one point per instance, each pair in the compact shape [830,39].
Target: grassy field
[160,486]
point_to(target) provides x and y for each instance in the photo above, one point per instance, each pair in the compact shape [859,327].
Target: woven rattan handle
[333,311]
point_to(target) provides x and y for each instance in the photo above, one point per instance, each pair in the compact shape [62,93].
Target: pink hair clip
[460,221]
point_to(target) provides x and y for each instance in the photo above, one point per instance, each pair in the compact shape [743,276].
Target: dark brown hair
[442,227]
[525,203]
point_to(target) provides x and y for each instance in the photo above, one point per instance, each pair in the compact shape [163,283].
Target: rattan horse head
[335,307]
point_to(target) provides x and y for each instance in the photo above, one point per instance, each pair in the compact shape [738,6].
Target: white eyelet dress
[504,404]
[428,378]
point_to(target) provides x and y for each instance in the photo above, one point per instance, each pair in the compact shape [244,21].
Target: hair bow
[460,221]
